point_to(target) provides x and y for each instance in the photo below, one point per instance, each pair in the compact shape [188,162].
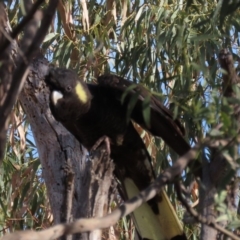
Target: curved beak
[56,96]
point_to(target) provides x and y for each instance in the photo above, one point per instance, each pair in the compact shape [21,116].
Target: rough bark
[207,202]
[101,174]
[53,141]
[57,149]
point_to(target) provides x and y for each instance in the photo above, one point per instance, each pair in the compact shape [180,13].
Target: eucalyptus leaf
[147,110]
[132,102]
[50,36]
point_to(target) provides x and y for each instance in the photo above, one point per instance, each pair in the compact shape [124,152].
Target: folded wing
[141,102]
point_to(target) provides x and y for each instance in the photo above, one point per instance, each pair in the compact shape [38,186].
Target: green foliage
[169,47]
[23,193]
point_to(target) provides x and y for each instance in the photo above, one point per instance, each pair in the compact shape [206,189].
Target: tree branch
[21,25]
[32,39]
[200,218]
[215,170]
[85,225]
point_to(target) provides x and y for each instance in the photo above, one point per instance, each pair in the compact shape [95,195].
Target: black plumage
[92,111]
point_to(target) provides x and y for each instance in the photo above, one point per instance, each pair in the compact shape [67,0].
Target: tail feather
[168,218]
[164,226]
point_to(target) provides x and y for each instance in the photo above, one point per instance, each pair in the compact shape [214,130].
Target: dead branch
[69,194]
[86,225]
[102,168]
[33,37]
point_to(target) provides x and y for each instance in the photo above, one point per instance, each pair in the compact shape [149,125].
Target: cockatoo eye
[68,88]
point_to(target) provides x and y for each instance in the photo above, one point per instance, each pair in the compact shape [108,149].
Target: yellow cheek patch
[81,93]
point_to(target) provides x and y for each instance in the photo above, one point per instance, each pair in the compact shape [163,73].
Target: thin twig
[21,25]
[21,69]
[200,218]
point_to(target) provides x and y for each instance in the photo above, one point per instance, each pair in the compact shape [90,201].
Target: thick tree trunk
[54,143]
[59,150]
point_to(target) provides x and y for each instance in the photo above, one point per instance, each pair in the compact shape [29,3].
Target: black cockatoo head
[69,96]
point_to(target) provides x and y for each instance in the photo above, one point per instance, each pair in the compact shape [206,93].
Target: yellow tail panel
[149,225]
